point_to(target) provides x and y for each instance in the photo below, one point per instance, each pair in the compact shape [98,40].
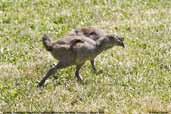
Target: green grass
[136,79]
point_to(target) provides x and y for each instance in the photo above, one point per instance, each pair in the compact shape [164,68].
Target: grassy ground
[136,79]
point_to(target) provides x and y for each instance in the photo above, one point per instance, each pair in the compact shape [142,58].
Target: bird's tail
[47,42]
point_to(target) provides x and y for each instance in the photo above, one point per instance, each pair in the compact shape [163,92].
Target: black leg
[77,73]
[51,71]
[93,65]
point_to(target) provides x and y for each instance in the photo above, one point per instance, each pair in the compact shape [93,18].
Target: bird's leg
[51,71]
[93,65]
[77,73]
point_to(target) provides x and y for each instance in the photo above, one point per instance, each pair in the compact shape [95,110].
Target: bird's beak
[122,44]
[121,40]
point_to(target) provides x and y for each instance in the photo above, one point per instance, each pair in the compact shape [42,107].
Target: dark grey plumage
[76,50]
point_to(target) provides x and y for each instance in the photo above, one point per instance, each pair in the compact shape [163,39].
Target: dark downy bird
[76,50]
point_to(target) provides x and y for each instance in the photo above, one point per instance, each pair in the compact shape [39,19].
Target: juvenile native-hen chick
[76,50]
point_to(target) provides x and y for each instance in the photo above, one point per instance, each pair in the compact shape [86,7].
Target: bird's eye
[121,39]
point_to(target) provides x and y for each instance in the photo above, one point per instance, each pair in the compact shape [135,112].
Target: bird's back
[73,48]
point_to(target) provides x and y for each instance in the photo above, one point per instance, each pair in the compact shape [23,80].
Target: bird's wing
[75,41]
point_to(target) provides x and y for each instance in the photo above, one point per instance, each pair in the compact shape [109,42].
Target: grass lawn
[135,80]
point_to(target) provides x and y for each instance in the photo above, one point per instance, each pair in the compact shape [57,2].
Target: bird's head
[114,39]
